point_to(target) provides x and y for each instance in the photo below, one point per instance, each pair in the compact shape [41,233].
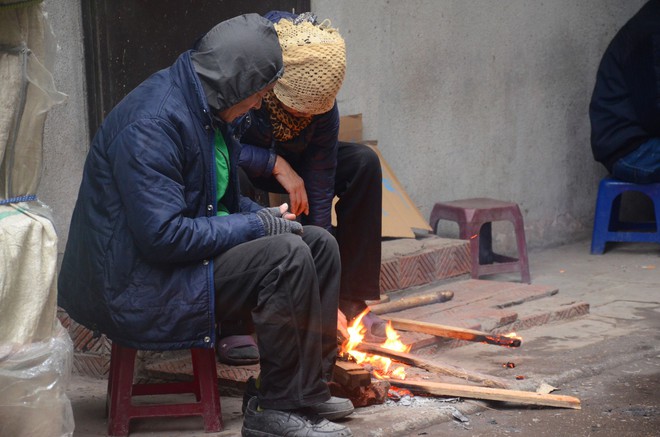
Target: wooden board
[488,393]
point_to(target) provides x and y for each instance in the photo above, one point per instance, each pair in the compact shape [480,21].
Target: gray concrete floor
[610,359]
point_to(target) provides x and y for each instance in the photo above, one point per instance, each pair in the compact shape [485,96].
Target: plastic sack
[27,91]
[33,382]
[28,274]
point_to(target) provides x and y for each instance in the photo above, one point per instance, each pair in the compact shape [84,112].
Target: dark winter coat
[312,154]
[138,264]
[625,105]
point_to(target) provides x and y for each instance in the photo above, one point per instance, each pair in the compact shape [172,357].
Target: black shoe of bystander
[277,423]
[333,409]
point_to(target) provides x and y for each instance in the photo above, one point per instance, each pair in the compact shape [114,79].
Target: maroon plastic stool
[121,389]
[474,218]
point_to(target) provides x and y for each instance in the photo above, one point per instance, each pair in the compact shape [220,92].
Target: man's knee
[315,235]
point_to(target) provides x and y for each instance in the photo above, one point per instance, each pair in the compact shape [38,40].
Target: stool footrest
[165,388]
[166,410]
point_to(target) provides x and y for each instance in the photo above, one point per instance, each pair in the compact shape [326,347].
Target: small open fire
[380,367]
[366,374]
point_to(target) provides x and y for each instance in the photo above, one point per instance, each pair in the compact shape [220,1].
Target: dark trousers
[358,185]
[289,287]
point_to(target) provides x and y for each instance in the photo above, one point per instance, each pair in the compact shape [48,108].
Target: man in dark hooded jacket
[162,246]
[625,105]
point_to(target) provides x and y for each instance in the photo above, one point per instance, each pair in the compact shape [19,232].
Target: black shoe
[276,423]
[333,409]
[376,327]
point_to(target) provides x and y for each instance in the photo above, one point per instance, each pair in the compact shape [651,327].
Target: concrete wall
[467,99]
[66,133]
[482,98]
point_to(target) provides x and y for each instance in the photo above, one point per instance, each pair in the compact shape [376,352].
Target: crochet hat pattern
[314,66]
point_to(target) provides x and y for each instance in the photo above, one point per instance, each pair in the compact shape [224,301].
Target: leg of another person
[641,166]
[358,184]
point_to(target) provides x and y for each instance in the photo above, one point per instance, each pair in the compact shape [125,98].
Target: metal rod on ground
[454,332]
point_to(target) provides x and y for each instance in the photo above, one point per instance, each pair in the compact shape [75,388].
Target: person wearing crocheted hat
[292,147]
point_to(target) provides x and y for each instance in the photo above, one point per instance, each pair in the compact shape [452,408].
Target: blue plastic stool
[608,227]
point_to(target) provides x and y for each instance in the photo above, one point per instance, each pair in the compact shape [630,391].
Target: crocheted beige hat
[314,66]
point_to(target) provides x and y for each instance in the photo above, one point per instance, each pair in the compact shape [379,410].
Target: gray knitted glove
[273,223]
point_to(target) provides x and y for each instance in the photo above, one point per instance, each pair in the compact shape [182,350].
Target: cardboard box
[350,128]
[400,215]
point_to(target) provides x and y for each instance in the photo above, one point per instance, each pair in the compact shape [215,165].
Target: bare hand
[293,184]
[285,213]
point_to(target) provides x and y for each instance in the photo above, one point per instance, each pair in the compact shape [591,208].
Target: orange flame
[514,336]
[381,365]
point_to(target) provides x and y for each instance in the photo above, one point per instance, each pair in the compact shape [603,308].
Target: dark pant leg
[274,279]
[320,242]
[642,166]
[358,184]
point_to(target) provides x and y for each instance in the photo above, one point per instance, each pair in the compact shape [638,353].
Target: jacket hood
[236,59]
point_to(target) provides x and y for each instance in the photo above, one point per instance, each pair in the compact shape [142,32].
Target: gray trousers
[289,287]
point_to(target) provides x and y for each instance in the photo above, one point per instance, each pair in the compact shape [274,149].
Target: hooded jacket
[625,105]
[138,264]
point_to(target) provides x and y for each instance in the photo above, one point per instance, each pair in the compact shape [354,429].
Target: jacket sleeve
[248,205]
[147,161]
[257,161]
[319,166]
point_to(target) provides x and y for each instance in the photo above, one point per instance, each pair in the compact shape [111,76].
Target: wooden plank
[454,332]
[405,303]
[488,393]
[434,366]
[350,375]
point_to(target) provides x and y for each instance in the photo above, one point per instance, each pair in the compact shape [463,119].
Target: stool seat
[607,225]
[121,390]
[474,218]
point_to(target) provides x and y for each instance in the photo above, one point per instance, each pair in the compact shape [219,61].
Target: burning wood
[350,375]
[509,340]
[435,367]
[381,365]
[380,357]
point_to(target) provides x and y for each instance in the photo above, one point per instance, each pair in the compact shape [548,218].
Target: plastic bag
[33,382]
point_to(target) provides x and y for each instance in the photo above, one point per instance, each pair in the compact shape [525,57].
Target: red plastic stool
[474,218]
[121,389]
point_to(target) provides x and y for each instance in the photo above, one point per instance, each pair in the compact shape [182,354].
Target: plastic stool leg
[120,393]
[523,260]
[602,217]
[206,377]
[486,244]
